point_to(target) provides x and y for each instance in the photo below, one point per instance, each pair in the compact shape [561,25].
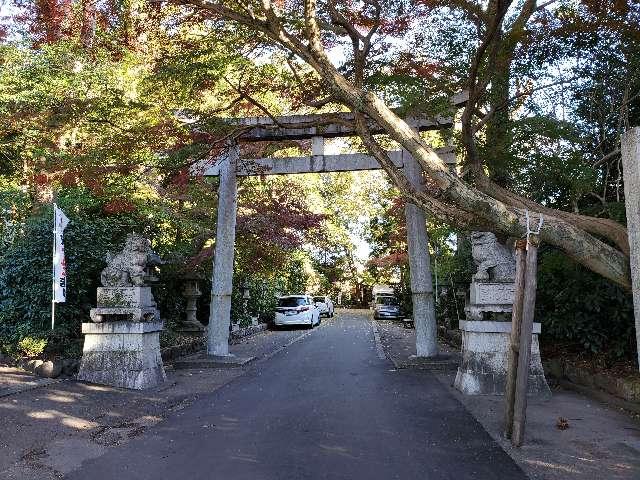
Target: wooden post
[524,350]
[631,169]
[516,320]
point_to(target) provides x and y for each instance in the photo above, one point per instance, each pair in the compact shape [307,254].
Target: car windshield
[318,299]
[392,301]
[291,301]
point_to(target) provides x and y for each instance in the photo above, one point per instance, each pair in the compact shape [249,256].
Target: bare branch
[607,157]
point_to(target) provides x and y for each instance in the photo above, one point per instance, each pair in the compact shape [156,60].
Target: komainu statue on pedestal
[129,268]
[495,261]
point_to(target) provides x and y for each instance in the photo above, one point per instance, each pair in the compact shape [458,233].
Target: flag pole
[53,272]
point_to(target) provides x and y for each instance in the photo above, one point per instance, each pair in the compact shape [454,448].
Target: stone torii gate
[297,127]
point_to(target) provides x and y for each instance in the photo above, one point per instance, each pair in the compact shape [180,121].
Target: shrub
[25,275]
[32,347]
[579,307]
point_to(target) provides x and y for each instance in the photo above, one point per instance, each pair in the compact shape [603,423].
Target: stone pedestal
[122,346]
[489,298]
[483,367]
[486,338]
[122,354]
[129,304]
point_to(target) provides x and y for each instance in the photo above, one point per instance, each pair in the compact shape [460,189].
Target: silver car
[387,307]
[325,305]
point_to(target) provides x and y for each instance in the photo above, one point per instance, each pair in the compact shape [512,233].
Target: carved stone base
[491,293]
[483,369]
[489,298]
[128,304]
[122,354]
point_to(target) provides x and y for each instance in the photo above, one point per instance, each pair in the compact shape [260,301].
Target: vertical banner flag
[59,267]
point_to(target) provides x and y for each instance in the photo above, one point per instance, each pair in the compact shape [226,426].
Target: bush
[581,308]
[25,276]
[32,347]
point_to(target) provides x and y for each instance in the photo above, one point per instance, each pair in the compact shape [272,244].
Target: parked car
[297,310]
[325,305]
[380,290]
[387,307]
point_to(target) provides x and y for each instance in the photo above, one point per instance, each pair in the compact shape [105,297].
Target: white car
[297,310]
[325,305]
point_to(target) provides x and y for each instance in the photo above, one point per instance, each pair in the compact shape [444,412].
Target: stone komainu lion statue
[495,261]
[128,268]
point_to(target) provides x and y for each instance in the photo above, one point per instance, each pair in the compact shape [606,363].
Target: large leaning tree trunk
[482,204]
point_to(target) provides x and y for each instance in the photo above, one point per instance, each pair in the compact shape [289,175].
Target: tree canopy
[107,105]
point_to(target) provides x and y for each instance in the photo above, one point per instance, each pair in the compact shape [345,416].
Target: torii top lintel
[302,127]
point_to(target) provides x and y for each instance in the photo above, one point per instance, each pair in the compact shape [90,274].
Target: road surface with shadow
[326,407]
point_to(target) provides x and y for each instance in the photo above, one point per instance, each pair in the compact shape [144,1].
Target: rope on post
[529,231]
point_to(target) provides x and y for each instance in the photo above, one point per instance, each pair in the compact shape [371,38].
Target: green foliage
[32,347]
[25,273]
[264,293]
[14,206]
[578,307]
[455,269]
[295,277]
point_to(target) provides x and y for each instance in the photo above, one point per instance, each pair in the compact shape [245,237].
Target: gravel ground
[15,380]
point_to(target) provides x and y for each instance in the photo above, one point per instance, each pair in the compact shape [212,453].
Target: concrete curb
[202,361]
[31,385]
[444,362]
[238,335]
[199,342]
[618,391]
[169,353]
[379,348]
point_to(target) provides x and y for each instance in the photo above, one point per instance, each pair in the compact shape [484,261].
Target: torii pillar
[424,315]
[222,281]
[631,168]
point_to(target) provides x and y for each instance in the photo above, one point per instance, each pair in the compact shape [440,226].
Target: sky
[6,8]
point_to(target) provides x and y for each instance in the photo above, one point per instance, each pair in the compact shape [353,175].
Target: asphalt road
[326,407]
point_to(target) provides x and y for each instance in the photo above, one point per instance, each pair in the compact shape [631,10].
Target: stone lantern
[246,296]
[191,292]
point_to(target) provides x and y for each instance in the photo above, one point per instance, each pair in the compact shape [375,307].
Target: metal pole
[53,271]
[526,329]
[435,267]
